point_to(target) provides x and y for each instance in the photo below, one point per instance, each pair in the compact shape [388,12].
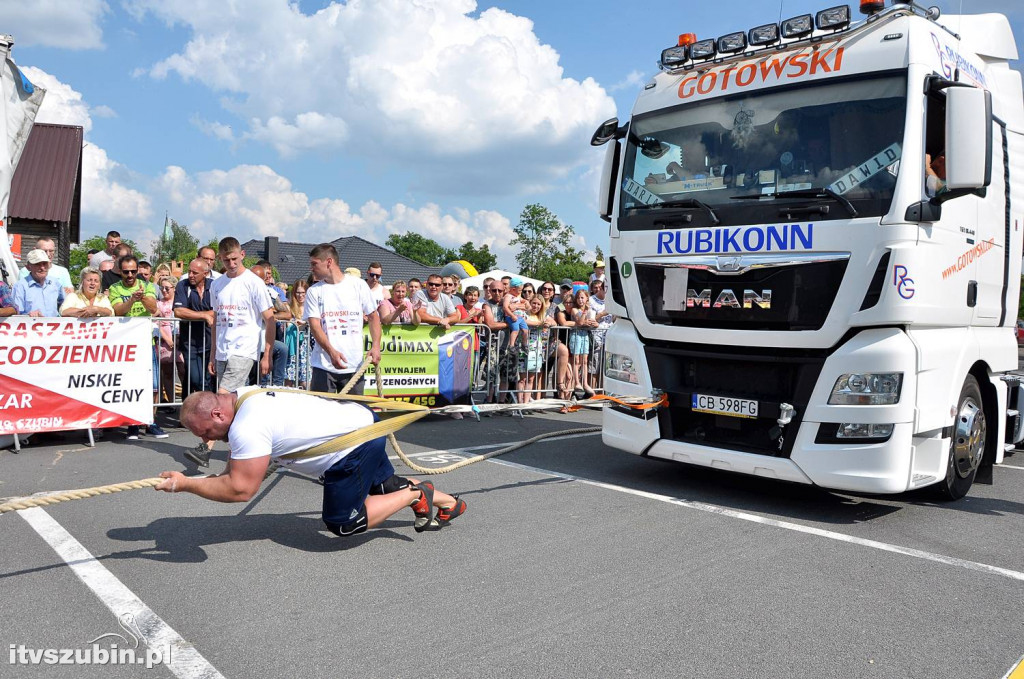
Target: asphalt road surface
[573,560]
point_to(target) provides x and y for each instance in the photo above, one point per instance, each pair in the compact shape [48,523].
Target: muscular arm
[239,482]
[374,320]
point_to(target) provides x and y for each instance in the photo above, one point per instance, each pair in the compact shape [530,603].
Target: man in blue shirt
[38,295]
[57,272]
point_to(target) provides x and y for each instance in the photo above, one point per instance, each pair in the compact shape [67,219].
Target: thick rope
[81,494]
[540,404]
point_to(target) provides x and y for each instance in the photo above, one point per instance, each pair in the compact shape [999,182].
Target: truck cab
[816,251]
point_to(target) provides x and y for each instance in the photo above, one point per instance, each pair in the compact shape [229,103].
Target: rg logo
[904,284]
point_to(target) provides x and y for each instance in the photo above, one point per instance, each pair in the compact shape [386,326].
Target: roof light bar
[871,6]
[733,42]
[799,26]
[703,49]
[764,35]
[833,18]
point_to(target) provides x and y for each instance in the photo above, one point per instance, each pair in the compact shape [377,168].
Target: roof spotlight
[798,27]
[833,18]
[764,35]
[733,42]
[673,57]
[703,49]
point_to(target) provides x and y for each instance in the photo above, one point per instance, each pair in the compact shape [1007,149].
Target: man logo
[729,264]
[729,299]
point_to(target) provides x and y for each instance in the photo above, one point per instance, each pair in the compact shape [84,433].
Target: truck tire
[967,445]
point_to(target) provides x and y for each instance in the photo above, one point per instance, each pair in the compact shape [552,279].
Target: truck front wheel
[967,447]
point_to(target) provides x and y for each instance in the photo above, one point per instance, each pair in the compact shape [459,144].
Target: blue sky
[315,120]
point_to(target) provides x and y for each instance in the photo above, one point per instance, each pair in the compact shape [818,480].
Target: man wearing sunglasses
[133,297]
[373,280]
[435,308]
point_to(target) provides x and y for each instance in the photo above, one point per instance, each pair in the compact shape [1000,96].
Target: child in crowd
[530,368]
[579,340]
[515,313]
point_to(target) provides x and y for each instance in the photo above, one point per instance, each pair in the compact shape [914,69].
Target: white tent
[478,280]
[19,102]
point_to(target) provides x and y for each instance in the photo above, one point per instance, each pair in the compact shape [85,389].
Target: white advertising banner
[69,373]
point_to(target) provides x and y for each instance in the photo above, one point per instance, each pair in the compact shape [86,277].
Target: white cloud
[103,111]
[254,201]
[55,23]
[213,128]
[61,104]
[425,82]
[634,80]
[106,196]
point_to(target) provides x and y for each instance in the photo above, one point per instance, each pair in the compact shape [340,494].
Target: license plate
[723,405]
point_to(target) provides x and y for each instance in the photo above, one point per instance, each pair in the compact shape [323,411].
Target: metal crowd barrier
[556,362]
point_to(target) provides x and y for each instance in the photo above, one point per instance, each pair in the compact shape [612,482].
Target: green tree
[480,257]
[544,245]
[419,248]
[79,258]
[182,245]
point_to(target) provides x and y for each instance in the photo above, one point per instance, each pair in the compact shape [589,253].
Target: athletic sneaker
[133,432]
[200,454]
[156,432]
[423,507]
[445,516]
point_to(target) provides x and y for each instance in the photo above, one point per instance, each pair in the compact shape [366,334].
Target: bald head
[197,406]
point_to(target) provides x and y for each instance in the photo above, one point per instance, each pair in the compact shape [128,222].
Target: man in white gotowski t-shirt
[361,489]
[242,310]
[334,309]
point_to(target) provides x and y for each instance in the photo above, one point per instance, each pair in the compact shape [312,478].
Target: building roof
[47,183]
[293,259]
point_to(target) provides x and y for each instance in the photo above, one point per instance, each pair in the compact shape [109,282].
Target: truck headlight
[873,389]
[620,367]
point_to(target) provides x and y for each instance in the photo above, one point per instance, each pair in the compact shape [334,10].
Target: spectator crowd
[222,326]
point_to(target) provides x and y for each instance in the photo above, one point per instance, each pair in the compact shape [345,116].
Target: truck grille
[784,376]
[774,292]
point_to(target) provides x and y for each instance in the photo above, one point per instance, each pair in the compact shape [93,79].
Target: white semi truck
[816,239]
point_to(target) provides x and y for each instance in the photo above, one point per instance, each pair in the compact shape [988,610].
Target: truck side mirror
[968,138]
[609,175]
[608,130]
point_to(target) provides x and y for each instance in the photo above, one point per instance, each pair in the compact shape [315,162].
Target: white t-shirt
[292,420]
[377,293]
[98,258]
[238,304]
[340,308]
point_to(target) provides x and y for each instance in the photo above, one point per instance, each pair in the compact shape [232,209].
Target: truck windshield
[830,151]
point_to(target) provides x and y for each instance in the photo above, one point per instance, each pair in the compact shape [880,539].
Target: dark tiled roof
[50,169]
[293,259]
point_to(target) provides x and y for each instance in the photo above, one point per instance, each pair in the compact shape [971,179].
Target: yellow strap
[389,424]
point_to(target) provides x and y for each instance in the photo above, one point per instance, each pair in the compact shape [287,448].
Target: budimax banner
[67,373]
[424,364]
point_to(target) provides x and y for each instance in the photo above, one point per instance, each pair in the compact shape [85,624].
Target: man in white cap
[57,272]
[38,295]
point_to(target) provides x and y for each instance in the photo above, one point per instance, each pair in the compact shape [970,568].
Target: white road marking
[185,661]
[786,525]
[1010,466]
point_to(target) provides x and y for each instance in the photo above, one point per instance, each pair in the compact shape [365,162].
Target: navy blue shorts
[349,481]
